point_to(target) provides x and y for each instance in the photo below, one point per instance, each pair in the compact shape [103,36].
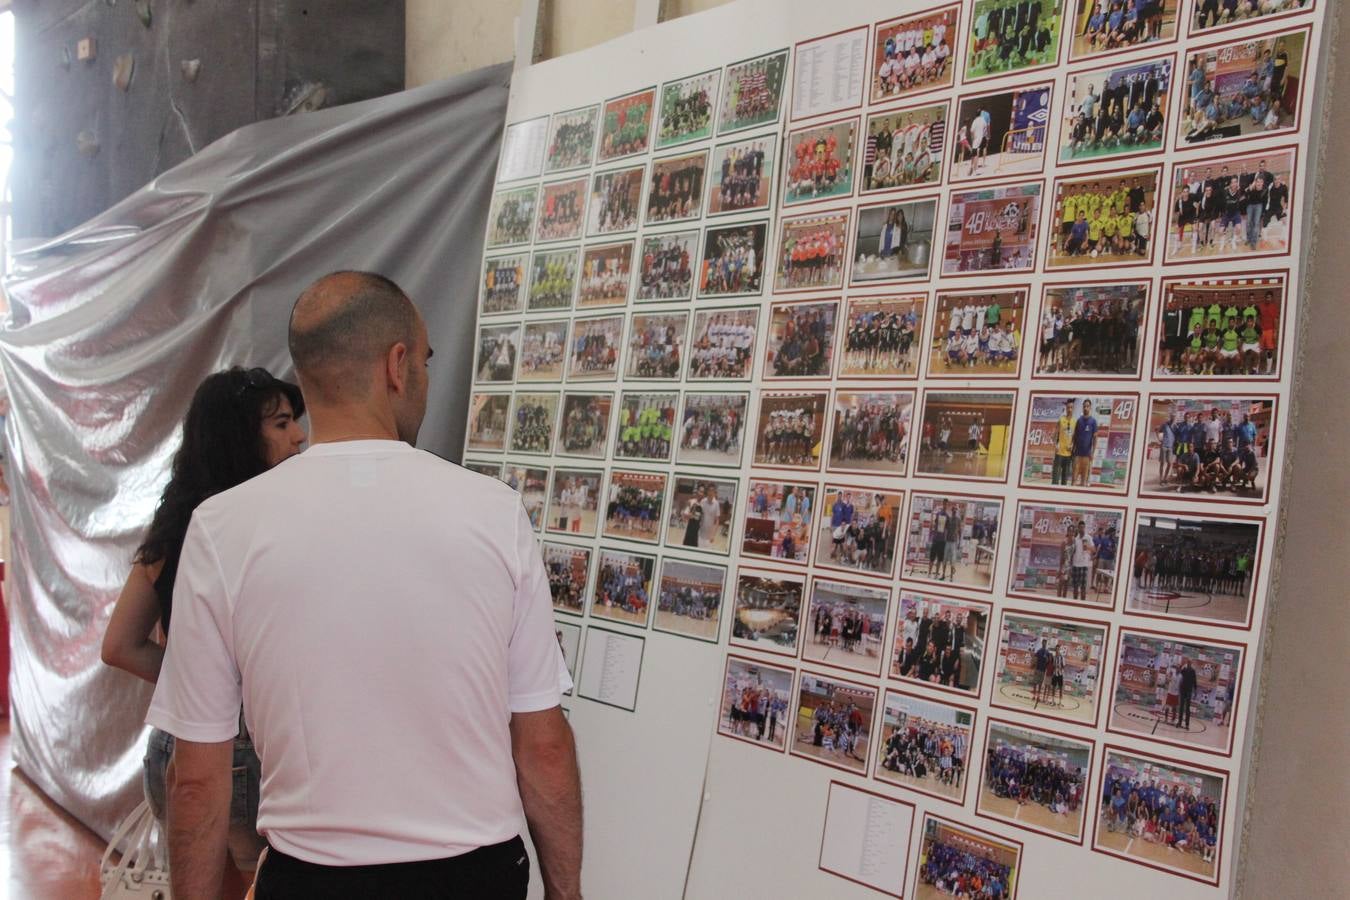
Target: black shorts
[937,551]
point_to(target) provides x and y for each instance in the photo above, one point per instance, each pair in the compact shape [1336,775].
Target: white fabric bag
[143,871]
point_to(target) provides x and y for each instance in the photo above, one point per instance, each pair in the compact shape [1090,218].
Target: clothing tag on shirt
[361,472]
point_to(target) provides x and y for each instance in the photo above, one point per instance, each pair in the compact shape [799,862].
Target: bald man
[385,619]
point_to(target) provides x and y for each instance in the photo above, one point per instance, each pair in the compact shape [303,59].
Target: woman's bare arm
[128,643]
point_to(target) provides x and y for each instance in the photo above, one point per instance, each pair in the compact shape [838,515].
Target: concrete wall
[1299,819]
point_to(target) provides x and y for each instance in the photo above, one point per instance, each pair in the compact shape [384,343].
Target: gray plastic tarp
[114,324]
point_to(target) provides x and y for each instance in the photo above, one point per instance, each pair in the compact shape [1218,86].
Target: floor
[44,853]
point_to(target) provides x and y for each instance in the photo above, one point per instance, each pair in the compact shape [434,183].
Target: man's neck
[330,426]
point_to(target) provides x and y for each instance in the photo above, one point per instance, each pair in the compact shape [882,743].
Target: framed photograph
[531,483]
[821,166]
[1090,329]
[925,746]
[801,339]
[833,724]
[904,148]
[656,346]
[562,208]
[1215,329]
[498,350]
[689,598]
[768,610]
[1177,690]
[733,260]
[1195,569]
[881,335]
[584,430]
[606,271]
[894,241]
[543,351]
[858,530]
[992,230]
[1037,780]
[569,642]
[490,469]
[1117,112]
[722,344]
[503,280]
[778,521]
[595,348]
[869,432]
[1001,134]
[573,503]
[828,73]
[1106,219]
[1244,89]
[571,139]
[1234,208]
[752,92]
[623,586]
[812,249]
[522,150]
[712,429]
[511,217]
[488,418]
[983,337]
[1012,39]
[791,428]
[742,174]
[553,279]
[702,514]
[616,198]
[687,109]
[939,643]
[846,625]
[949,850]
[966,434]
[1103,29]
[534,421]
[1215,447]
[634,503]
[646,425]
[626,125]
[676,188]
[1067,554]
[913,54]
[755,702]
[952,538]
[667,266]
[568,568]
[1165,788]
[1084,442]
[1050,667]
[1213,15]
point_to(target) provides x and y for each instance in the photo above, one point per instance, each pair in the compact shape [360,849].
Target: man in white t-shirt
[384,619]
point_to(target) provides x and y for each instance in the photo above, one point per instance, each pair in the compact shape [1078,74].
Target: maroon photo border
[989,723]
[1035,223]
[1025,288]
[1192,31]
[1149,296]
[784,220]
[859,138]
[914,495]
[1070,22]
[773,575]
[974,831]
[774,306]
[721,607]
[619,469]
[722,690]
[889,576]
[921,298]
[834,412]
[796,60]
[1012,424]
[802,566]
[586,586]
[824,429]
[1082,175]
[796,719]
[1269,464]
[1122,559]
[594,617]
[974,695]
[937,183]
[970,749]
[1170,119]
[913,814]
[1155,336]
[1124,489]
[967,53]
[1035,713]
[828,577]
[1008,89]
[958,51]
[892,283]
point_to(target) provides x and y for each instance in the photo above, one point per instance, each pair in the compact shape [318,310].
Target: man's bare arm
[550,790]
[199,789]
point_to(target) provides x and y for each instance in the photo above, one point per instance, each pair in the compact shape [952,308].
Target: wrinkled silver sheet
[114,324]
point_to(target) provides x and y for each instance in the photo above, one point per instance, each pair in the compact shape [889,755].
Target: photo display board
[900,394]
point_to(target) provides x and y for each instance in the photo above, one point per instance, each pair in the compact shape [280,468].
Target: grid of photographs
[944,355]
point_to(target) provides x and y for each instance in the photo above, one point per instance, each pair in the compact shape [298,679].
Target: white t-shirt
[380,613]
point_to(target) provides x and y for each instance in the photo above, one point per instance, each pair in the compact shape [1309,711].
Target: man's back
[387,611]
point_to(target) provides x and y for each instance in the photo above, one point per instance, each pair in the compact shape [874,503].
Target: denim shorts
[247,772]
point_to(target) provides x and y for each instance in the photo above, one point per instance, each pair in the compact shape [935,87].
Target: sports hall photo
[1034,779]
[1050,667]
[633,505]
[819,163]
[667,271]
[913,54]
[531,483]
[966,434]
[687,109]
[858,530]
[722,344]
[574,501]
[1218,328]
[978,334]
[752,92]
[596,344]
[1194,569]
[800,341]
[675,188]
[1208,447]
[1176,690]
[656,346]
[1113,26]
[534,422]
[553,279]
[1116,111]
[568,568]
[543,351]
[488,417]
[733,260]
[940,642]
[952,538]
[584,429]
[925,745]
[767,611]
[561,205]
[881,336]
[1080,441]
[1107,219]
[742,174]
[1001,134]
[1008,36]
[992,230]
[498,350]
[712,429]
[778,520]
[623,586]
[503,279]
[689,598]
[833,724]
[812,251]
[615,201]
[791,428]
[846,625]
[1243,89]
[894,242]
[755,702]
[606,270]
[1091,329]
[1233,207]
[626,125]
[870,432]
[646,426]
[961,861]
[701,514]
[904,148]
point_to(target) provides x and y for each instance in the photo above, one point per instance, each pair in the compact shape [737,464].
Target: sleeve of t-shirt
[538,672]
[198,694]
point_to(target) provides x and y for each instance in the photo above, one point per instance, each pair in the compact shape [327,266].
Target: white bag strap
[137,835]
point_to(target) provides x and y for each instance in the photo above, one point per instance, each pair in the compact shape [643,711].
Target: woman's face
[281,433]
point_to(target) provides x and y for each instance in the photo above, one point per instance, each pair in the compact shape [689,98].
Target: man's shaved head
[343,324]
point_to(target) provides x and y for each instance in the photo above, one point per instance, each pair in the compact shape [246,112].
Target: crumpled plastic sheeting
[114,324]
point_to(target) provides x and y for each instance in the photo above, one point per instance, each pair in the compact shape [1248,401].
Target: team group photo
[1200,569]
[1035,780]
[940,642]
[846,625]
[689,598]
[1091,330]
[869,432]
[881,336]
[925,745]
[778,518]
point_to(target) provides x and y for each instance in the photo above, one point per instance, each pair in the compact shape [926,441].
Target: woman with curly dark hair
[241,423]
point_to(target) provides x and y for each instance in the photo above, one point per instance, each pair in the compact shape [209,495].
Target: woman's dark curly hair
[222,447]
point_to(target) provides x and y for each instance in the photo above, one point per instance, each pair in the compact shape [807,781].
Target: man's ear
[396,368]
